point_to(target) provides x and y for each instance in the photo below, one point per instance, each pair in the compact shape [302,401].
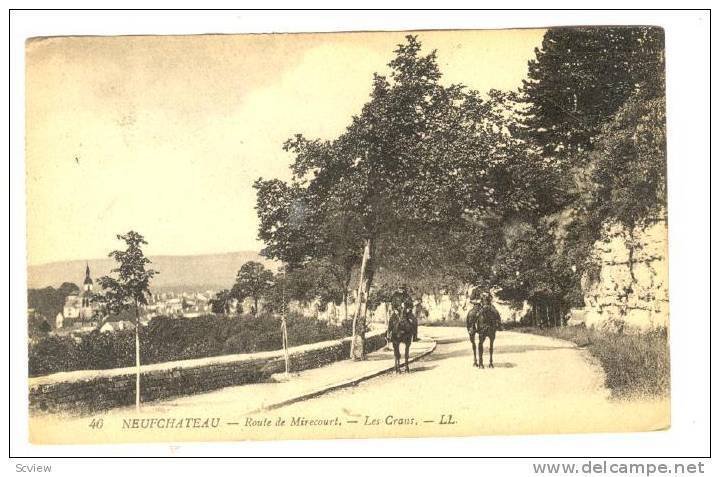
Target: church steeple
[87,283]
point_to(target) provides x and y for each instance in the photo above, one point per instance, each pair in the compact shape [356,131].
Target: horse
[484,321]
[401,330]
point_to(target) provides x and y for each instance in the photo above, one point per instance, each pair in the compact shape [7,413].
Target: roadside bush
[51,354]
[171,339]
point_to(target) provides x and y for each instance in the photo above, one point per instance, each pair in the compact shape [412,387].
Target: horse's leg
[407,354]
[481,341]
[472,341]
[492,341]
[396,352]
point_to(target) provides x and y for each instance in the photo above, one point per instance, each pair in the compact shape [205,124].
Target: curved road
[538,385]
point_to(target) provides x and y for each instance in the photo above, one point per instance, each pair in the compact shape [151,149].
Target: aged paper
[346,235]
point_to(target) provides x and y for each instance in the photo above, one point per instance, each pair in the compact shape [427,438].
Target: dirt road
[538,385]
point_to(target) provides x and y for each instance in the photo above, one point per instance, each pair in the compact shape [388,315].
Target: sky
[165,135]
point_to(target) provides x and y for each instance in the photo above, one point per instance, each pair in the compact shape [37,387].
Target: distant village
[80,314]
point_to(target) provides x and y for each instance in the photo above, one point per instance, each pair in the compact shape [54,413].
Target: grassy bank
[636,365]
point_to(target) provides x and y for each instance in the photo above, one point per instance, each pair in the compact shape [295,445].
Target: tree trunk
[357,345]
[547,315]
[631,251]
[346,289]
[137,358]
[535,313]
[255,299]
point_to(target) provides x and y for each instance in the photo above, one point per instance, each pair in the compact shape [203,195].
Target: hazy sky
[165,135]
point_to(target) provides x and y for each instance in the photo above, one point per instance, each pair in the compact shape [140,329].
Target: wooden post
[283,326]
[137,358]
[285,345]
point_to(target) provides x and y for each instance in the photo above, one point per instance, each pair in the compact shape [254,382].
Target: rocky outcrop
[629,290]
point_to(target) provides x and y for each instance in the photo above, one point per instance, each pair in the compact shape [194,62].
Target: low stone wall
[94,390]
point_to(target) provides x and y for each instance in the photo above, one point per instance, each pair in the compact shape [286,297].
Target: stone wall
[95,390]
[630,292]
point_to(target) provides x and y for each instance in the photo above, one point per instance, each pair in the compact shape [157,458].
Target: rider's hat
[478,295]
[401,295]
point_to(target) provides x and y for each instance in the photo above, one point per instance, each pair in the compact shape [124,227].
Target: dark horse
[483,320]
[401,329]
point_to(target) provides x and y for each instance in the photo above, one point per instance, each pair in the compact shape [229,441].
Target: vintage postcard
[346,235]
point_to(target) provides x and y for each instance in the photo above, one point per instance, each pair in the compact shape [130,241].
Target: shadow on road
[439,354]
[523,348]
[499,365]
[414,369]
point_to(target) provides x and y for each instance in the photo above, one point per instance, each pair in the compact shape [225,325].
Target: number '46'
[96,423]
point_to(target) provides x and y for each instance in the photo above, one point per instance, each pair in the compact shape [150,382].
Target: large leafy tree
[392,174]
[128,289]
[311,234]
[253,281]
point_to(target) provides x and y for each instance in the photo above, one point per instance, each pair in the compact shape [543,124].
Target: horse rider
[483,314]
[401,307]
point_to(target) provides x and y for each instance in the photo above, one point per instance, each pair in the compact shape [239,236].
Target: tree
[220,303]
[365,179]
[49,301]
[581,76]
[252,281]
[591,119]
[408,165]
[313,234]
[128,290]
[68,288]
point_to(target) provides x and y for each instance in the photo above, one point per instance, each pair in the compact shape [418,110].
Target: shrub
[171,339]
[51,354]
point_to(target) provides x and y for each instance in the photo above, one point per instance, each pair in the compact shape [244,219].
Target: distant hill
[177,272]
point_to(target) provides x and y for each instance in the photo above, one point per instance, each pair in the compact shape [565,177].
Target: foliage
[398,181]
[252,281]
[170,339]
[594,116]
[446,186]
[49,301]
[131,288]
[629,164]
[581,76]
[220,303]
[44,326]
[52,354]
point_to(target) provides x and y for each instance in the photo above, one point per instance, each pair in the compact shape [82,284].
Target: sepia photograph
[346,235]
